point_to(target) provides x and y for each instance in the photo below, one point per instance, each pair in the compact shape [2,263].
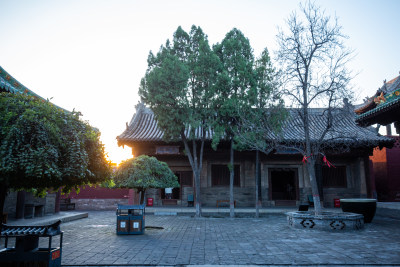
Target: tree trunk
[197,192]
[258,202]
[3,194]
[231,179]
[20,207]
[196,164]
[142,194]
[314,185]
[310,157]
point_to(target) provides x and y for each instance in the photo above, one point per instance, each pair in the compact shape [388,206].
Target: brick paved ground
[223,241]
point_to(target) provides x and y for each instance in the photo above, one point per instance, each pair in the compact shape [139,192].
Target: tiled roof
[386,100]
[143,128]
[344,129]
[10,84]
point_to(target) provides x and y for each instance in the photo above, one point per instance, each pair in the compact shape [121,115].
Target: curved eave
[365,108]
[382,114]
[11,85]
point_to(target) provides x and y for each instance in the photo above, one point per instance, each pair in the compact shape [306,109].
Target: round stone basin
[328,221]
[364,206]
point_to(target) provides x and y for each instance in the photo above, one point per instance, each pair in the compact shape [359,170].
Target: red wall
[393,168]
[386,164]
[88,192]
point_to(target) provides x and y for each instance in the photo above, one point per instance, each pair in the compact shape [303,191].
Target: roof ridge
[392,80]
[140,109]
[395,84]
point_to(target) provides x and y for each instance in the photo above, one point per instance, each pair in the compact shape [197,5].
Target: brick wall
[50,205]
[11,202]
[98,204]
[244,196]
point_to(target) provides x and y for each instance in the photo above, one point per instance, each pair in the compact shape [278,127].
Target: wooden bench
[66,204]
[219,201]
[170,202]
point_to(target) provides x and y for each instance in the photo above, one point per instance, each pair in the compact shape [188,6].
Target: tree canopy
[179,87]
[144,172]
[42,147]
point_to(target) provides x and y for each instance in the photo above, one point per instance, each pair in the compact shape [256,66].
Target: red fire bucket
[150,202]
[336,203]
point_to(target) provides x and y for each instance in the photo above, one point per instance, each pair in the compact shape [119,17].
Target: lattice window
[167,150]
[334,176]
[220,175]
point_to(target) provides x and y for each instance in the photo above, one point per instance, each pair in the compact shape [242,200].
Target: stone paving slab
[51,218]
[282,265]
[186,240]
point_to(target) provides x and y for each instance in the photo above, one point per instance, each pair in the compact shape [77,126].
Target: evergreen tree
[179,88]
[266,115]
[234,91]
[144,172]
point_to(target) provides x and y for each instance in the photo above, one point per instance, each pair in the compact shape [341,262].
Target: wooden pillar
[389,129]
[397,126]
[363,180]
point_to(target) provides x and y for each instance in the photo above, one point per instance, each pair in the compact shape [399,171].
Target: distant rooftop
[383,107]
[9,84]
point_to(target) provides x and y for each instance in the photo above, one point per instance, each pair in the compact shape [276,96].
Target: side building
[383,108]
[284,179]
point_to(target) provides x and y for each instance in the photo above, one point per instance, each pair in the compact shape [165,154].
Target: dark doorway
[185,178]
[283,184]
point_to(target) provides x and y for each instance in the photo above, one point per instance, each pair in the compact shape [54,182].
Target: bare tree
[314,60]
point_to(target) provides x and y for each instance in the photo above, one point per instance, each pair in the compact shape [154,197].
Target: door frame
[296,180]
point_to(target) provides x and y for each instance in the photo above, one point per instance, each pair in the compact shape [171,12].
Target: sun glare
[119,154]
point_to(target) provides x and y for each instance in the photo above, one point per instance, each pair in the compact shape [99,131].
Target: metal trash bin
[130,219]
[190,200]
[26,251]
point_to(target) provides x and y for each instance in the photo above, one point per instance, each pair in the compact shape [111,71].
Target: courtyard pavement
[186,240]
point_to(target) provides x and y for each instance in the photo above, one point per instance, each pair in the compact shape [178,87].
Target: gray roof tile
[143,128]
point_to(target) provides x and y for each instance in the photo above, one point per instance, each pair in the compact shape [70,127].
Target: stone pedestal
[328,221]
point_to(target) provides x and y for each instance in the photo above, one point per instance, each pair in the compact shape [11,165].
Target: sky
[89,55]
